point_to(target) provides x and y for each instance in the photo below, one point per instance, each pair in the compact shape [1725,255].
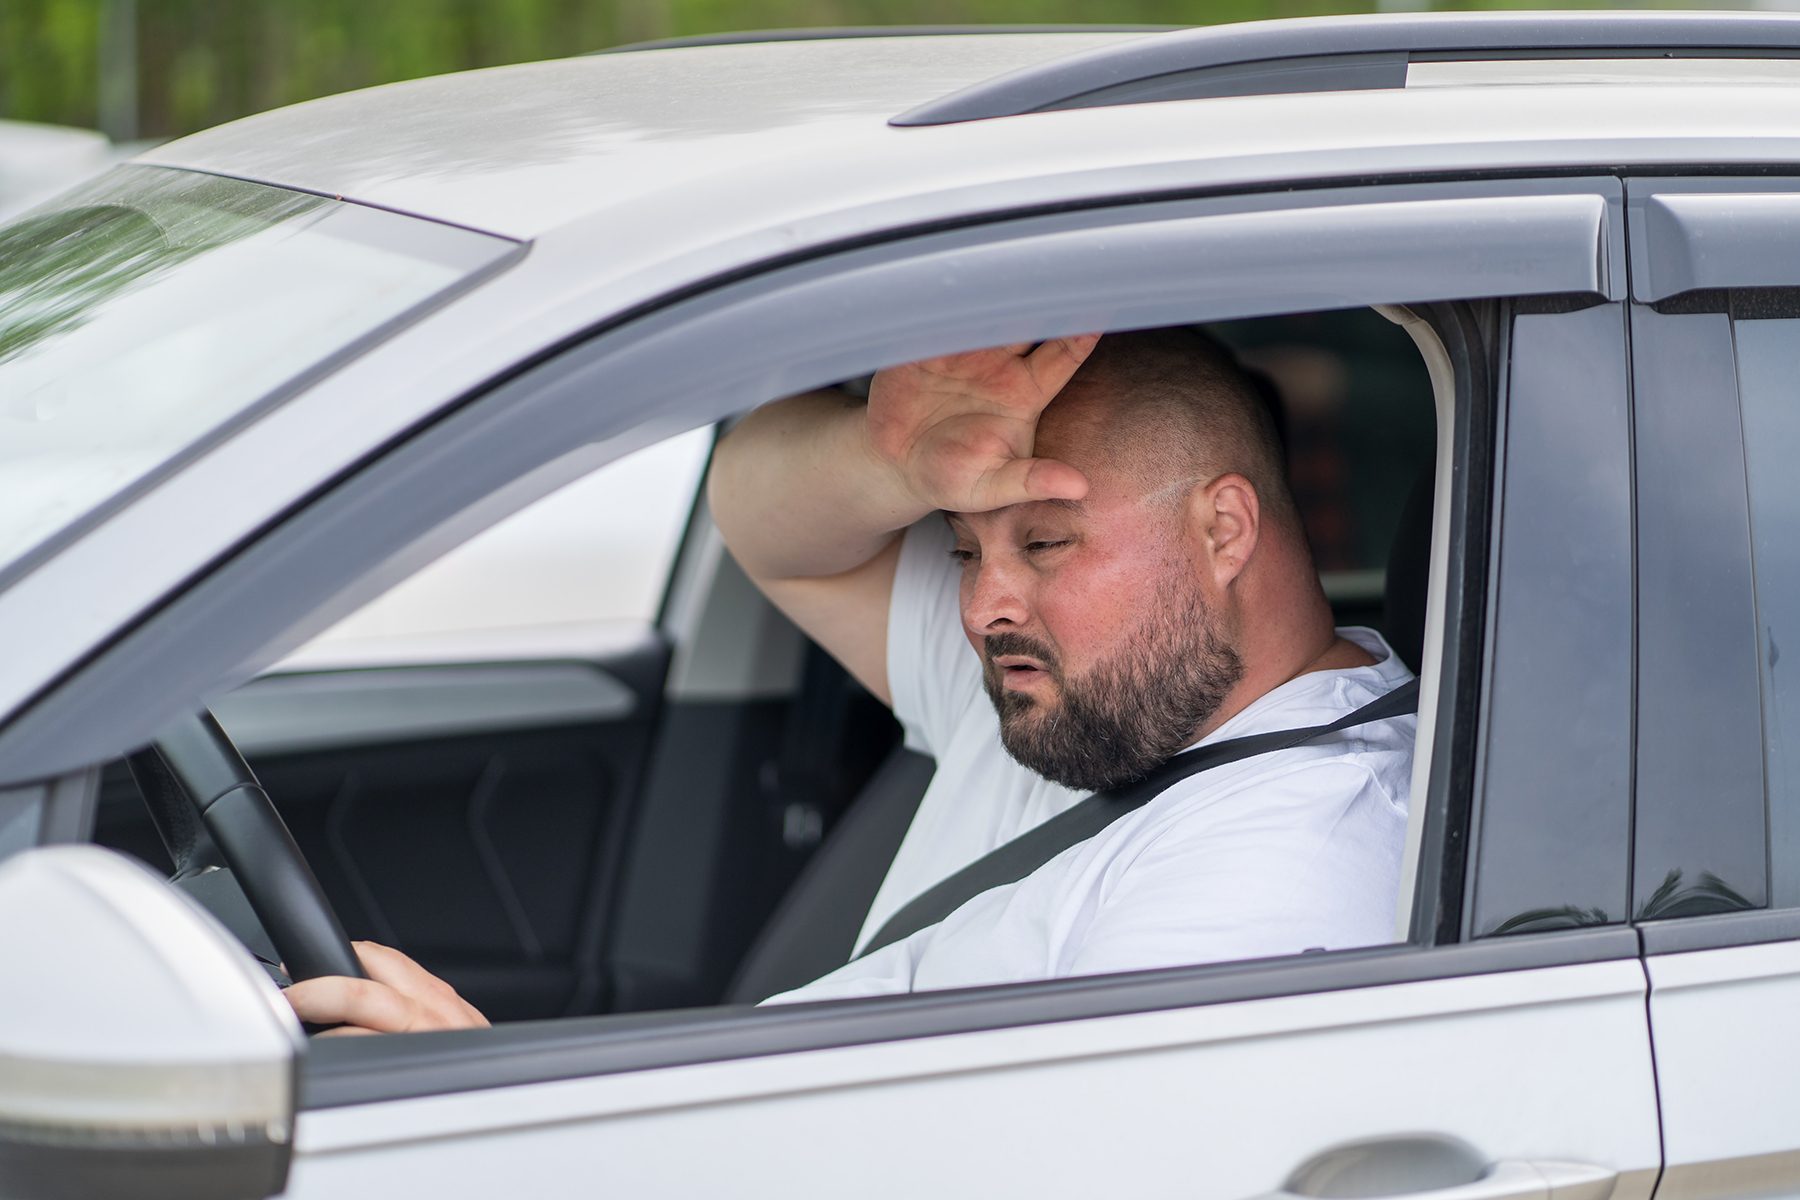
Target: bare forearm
[798,492]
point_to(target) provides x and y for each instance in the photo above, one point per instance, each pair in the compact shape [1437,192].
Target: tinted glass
[148,309]
[1768,371]
[1699,832]
[1552,843]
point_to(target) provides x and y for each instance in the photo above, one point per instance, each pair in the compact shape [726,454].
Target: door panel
[1548,1067]
[471,816]
[1728,1062]
[488,857]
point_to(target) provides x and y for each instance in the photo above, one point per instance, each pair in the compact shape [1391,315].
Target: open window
[1485,292]
[490,766]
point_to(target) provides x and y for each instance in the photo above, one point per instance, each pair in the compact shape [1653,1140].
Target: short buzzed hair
[1188,409]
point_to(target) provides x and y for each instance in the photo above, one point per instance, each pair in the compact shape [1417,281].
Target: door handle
[1432,1168]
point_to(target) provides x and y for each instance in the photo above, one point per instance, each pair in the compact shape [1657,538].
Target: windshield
[148,312]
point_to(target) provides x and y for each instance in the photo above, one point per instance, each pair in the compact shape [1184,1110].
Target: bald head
[1168,406]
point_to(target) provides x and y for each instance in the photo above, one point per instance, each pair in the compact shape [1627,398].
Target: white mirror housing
[143,1052]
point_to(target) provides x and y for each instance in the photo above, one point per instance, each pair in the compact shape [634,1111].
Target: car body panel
[1728,1064]
[1223,1102]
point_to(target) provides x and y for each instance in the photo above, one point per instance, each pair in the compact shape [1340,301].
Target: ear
[1227,517]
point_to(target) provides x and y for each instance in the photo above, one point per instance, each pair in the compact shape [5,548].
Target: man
[1128,576]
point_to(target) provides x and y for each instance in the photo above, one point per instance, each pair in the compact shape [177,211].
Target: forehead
[1086,420]
[1124,443]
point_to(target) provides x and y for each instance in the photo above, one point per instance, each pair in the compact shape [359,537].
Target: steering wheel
[212,813]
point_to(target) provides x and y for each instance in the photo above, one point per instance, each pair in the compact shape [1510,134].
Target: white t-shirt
[1270,855]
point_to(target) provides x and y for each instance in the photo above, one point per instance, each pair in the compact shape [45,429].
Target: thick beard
[1132,712]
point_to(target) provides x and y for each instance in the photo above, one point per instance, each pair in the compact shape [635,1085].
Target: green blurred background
[160,68]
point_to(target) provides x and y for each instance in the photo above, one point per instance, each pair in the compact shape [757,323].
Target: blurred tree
[161,68]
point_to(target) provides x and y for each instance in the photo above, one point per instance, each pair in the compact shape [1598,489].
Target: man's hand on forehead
[960,430]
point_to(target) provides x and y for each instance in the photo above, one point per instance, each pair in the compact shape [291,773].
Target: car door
[1502,1049]
[1716,345]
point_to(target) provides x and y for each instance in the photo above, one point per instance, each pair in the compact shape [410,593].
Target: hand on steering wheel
[399,996]
[208,807]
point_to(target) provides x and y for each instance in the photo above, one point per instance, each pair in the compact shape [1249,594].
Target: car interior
[698,807]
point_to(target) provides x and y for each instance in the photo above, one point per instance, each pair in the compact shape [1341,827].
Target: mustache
[997,645]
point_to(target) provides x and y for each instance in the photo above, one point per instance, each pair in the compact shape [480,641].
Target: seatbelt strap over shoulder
[1035,847]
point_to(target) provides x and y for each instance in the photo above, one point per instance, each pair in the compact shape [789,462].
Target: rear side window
[1768,364]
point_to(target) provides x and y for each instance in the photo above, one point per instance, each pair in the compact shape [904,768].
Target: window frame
[365,517]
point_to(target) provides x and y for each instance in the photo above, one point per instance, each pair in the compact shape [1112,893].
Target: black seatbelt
[1037,846]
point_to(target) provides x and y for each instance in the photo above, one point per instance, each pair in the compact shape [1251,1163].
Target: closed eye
[1035,547]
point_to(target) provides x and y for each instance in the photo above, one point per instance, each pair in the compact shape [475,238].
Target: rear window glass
[149,310]
[1768,357]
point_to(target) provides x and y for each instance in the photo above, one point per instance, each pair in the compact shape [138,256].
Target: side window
[1551,837]
[594,555]
[1768,353]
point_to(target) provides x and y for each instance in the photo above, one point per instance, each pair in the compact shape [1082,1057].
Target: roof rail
[827,33]
[1315,54]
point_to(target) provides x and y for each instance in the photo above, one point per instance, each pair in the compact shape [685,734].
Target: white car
[1528,288]
[37,161]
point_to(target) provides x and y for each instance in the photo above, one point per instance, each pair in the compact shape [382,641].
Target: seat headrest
[1409,572]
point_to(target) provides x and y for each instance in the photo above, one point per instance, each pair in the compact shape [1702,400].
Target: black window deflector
[1342,53]
[1696,235]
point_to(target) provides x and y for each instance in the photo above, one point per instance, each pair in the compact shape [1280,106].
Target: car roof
[673,139]
[522,149]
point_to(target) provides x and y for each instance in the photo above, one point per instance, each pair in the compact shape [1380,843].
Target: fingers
[1018,373]
[337,1000]
[388,965]
[1055,362]
[960,429]
[399,996]
[1020,480]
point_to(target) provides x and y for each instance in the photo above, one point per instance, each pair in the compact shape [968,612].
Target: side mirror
[143,1053]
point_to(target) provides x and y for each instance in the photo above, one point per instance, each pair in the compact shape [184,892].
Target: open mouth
[1019,671]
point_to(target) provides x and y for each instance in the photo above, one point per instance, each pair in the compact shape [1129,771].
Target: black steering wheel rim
[212,812]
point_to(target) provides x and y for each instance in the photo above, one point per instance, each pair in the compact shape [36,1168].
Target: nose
[993,598]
